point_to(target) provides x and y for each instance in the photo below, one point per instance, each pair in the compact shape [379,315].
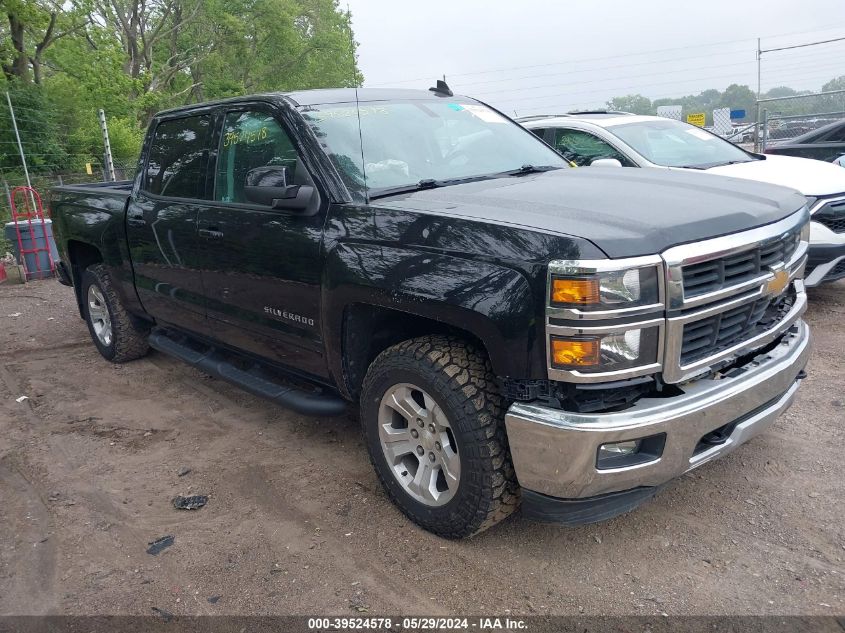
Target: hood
[625,212]
[810,177]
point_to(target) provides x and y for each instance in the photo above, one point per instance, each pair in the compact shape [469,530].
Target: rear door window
[178,158]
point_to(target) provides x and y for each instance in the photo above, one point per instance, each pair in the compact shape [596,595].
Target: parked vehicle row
[511,329]
[621,139]
[826,143]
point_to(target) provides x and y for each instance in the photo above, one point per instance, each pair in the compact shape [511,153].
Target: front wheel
[433,423]
[117,338]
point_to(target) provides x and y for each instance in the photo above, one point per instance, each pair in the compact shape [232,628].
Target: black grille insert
[832,215]
[731,270]
[712,335]
[836,272]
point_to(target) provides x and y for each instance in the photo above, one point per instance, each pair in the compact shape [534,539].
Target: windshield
[677,144]
[423,143]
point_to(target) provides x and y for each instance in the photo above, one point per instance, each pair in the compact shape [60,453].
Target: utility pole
[760,52]
[18,137]
[109,163]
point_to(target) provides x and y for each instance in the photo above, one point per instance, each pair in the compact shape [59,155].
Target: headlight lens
[606,290]
[613,351]
[805,232]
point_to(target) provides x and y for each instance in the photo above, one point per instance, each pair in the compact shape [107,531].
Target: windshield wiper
[529,169]
[730,162]
[431,183]
[711,165]
[425,183]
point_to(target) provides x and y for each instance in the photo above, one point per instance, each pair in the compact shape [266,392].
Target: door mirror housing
[269,186]
[606,162]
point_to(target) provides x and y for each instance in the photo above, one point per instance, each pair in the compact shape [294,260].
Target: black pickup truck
[512,330]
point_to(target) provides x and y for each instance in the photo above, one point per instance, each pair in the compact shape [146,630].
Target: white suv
[606,138]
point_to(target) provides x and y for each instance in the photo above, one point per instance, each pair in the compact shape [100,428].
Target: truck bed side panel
[95,215]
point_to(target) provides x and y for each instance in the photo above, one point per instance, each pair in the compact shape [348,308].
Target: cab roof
[326,96]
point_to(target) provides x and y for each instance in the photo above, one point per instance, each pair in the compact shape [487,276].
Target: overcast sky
[531,56]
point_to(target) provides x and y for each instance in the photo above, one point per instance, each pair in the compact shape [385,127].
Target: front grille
[832,215]
[714,334]
[715,274]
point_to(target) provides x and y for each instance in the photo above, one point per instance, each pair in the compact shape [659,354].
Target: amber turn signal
[575,291]
[567,352]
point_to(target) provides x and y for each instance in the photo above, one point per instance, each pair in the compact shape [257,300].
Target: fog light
[619,448]
[630,452]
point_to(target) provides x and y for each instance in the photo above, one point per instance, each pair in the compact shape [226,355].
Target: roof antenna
[442,88]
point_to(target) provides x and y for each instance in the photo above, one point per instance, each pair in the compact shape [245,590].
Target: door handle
[211,233]
[136,219]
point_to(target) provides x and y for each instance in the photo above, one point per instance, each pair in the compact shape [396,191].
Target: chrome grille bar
[765,249]
[771,260]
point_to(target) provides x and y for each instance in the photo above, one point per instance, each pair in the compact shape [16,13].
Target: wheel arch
[369,329]
[81,255]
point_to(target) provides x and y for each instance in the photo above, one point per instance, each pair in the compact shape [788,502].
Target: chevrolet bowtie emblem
[778,284]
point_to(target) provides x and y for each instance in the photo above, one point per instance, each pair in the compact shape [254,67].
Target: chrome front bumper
[554,452]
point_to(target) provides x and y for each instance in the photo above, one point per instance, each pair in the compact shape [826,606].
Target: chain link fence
[782,119]
[36,149]
[43,181]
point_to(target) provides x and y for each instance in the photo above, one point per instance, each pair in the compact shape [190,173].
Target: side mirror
[605,162]
[268,186]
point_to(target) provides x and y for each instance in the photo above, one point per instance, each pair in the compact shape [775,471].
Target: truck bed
[120,188]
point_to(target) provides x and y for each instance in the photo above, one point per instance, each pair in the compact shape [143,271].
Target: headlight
[605,318]
[605,284]
[805,232]
[609,351]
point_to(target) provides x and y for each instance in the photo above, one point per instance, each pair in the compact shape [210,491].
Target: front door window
[250,140]
[582,148]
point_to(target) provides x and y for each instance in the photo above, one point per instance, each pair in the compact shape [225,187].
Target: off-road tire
[459,378]
[129,341]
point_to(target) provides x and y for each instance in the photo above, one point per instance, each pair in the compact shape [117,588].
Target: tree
[739,97]
[62,60]
[39,132]
[635,103]
[33,27]
[780,91]
[837,83]
[291,44]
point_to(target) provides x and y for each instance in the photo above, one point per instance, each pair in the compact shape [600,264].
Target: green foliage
[636,104]
[735,97]
[35,121]
[781,91]
[62,62]
[125,138]
[835,84]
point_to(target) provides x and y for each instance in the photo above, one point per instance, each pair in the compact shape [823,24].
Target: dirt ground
[296,522]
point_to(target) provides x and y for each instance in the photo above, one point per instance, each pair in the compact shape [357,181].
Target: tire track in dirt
[299,457]
[28,574]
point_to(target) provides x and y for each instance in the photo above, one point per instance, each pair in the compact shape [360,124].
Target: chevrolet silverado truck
[511,330]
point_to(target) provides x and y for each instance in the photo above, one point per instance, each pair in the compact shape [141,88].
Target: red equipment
[33,215]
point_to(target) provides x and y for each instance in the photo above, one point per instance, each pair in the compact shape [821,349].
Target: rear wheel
[433,422]
[117,338]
